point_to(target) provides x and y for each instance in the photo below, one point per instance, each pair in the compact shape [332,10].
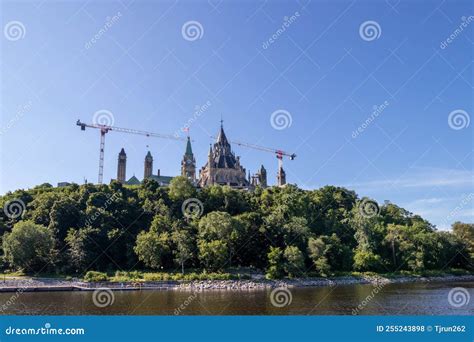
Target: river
[391,299]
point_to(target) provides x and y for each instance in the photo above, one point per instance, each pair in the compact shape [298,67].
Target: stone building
[188,164]
[122,166]
[148,166]
[222,168]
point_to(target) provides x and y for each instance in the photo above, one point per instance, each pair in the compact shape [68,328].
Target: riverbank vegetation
[283,232]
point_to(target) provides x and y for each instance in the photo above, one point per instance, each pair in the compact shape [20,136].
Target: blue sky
[369,109]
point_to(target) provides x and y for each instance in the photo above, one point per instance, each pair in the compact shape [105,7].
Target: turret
[281,176]
[262,177]
[148,165]
[122,166]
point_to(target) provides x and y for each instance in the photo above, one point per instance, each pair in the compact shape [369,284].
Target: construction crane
[104,129]
[278,153]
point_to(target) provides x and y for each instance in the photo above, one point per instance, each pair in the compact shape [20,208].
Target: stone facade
[222,166]
[122,166]
[188,164]
[148,166]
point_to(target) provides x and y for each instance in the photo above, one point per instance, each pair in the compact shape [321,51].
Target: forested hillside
[282,231]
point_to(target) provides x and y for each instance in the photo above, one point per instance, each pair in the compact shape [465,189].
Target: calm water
[396,299]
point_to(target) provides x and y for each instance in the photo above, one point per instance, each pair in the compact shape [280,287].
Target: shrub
[93,276]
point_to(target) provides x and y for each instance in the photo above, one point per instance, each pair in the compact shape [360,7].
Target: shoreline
[52,285]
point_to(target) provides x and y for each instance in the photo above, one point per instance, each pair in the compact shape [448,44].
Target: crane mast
[104,129]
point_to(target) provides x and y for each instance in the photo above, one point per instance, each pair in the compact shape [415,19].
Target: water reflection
[397,299]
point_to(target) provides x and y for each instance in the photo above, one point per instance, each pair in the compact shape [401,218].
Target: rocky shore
[311,282]
[48,284]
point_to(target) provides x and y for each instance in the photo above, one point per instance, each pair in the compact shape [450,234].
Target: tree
[330,212]
[64,215]
[183,250]
[275,268]
[181,189]
[219,225]
[82,248]
[253,243]
[365,260]
[317,250]
[29,246]
[294,261]
[465,232]
[213,254]
[151,247]
[296,232]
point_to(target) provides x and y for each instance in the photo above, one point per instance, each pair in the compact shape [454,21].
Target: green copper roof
[162,179]
[189,150]
[133,181]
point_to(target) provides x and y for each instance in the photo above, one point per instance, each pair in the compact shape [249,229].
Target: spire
[122,152]
[221,138]
[148,155]
[188,164]
[189,150]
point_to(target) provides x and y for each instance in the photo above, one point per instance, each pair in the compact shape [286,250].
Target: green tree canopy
[29,246]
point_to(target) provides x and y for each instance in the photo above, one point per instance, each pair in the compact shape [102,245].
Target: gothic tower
[188,164]
[262,177]
[122,166]
[148,165]
[281,177]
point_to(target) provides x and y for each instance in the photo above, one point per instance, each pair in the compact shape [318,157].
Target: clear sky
[321,65]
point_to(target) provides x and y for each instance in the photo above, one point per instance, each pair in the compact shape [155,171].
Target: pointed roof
[189,150]
[122,152]
[133,181]
[148,155]
[221,138]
